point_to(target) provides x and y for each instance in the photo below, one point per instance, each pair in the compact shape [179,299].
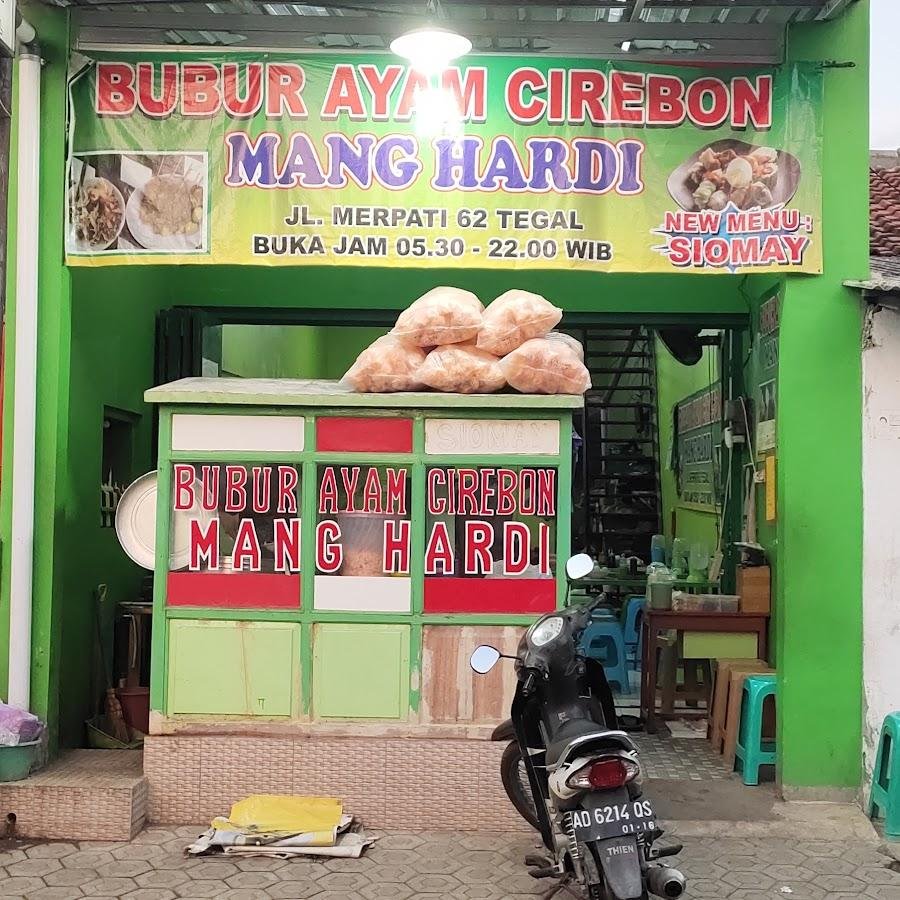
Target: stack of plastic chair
[604,640]
[634,617]
[885,796]
[753,750]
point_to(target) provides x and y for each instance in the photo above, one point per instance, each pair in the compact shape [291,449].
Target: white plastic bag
[513,318]
[386,365]
[18,726]
[445,315]
[462,369]
[542,366]
[569,341]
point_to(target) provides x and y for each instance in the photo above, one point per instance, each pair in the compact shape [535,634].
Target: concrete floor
[801,851]
[429,867]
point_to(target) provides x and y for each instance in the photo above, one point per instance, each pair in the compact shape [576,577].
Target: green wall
[52,459]
[766,532]
[111,365]
[819,529]
[674,382]
[336,287]
[270,352]
[292,351]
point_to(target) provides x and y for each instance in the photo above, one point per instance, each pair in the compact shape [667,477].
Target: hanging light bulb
[431,50]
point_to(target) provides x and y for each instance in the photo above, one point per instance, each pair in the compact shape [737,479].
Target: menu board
[698,459]
[766,349]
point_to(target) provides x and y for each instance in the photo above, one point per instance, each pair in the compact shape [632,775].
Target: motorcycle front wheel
[516,784]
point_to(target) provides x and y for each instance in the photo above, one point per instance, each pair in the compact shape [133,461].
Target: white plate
[83,246]
[136,524]
[786,181]
[149,239]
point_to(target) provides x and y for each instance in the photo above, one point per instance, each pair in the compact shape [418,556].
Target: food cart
[328,559]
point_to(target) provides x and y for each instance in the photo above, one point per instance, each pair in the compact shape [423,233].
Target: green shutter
[360,671]
[233,668]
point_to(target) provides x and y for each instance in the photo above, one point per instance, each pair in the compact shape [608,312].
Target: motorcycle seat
[584,734]
[568,731]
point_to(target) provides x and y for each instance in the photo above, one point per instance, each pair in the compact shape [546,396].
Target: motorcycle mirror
[484,658]
[578,566]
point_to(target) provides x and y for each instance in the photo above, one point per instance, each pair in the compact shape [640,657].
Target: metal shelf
[633,475]
[622,362]
[617,404]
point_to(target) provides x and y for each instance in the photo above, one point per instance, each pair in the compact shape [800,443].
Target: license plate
[612,814]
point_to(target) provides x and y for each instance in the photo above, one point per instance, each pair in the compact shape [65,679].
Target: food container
[699,560]
[16,760]
[135,702]
[99,738]
[724,603]
[362,539]
[660,595]
[660,583]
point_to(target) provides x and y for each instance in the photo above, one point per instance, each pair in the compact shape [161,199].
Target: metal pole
[25,380]
[6,67]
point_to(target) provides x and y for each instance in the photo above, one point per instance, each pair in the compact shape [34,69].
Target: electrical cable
[749,438]
[725,499]
[719,514]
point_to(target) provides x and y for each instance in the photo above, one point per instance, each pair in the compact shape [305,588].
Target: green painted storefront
[96,351]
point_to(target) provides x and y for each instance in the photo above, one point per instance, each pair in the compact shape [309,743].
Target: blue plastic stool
[752,750]
[634,616]
[603,612]
[885,796]
[603,640]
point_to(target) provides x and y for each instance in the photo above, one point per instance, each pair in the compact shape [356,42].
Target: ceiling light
[431,50]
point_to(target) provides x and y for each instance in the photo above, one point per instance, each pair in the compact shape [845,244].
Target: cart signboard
[504,163]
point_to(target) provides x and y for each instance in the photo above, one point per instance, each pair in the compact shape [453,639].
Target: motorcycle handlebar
[528,686]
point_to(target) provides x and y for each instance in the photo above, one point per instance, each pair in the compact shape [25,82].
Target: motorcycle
[570,771]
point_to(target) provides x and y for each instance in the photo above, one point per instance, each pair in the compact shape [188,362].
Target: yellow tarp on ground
[281,813]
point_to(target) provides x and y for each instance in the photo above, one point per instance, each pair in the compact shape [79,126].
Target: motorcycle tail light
[605,774]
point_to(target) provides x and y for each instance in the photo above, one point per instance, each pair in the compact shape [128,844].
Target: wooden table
[657,621]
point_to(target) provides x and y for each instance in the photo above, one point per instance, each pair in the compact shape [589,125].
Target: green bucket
[16,760]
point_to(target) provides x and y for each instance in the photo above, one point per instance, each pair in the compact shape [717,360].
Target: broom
[113,709]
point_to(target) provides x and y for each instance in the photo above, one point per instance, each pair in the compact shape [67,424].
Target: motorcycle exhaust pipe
[664,881]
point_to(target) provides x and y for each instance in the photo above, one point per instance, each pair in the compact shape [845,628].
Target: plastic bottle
[699,561]
[679,558]
[658,548]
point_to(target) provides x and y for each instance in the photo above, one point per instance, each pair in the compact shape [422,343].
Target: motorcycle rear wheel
[516,785]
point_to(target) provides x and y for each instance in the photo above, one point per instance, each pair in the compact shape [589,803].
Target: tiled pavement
[679,758]
[429,867]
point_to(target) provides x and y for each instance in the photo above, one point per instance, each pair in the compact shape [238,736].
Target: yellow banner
[507,163]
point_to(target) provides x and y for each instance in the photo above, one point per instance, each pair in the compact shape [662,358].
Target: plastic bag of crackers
[462,369]
[445,315]
[546,366]
[385,366]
